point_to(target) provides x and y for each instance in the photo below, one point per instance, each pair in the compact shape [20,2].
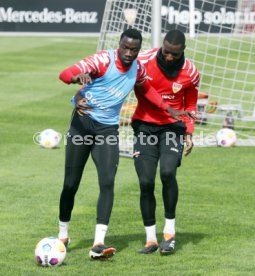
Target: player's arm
[84,70]
[82,79]
[190,105]
[80,103]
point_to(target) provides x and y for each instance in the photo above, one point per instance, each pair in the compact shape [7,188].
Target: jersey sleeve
[144,88]
[141,74]
[190,104]
[151,95]
[147,55]
[95,65]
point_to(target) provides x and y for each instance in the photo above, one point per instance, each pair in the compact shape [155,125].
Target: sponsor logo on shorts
[174,149]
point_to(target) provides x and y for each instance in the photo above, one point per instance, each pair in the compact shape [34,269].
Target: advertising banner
[217,16]
[51,16]
[85,16]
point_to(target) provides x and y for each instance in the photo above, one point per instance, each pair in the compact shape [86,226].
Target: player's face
[128,50]
[171,52]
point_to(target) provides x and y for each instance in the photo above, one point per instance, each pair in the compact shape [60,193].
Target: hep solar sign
[219,16]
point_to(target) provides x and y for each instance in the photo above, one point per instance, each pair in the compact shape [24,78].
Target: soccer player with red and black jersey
[108,77]
[159,138]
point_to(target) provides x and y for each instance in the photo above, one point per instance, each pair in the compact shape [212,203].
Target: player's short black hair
[132,33]
[175,37]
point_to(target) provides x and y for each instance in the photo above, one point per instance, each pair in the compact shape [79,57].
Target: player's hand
[80,104]
[83,79]
[177,113]
[189,144]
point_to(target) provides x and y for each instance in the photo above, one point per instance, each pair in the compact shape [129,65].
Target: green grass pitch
[215,214]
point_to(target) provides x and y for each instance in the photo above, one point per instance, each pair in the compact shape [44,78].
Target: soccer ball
[49,138]
[50,252]
[226,137]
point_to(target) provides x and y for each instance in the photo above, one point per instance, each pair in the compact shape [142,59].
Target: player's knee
[107,184]
[70,187]
[71,184]
[72,179]
[146,185]
[168,175]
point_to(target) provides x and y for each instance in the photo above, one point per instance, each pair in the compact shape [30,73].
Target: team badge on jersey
[176,87]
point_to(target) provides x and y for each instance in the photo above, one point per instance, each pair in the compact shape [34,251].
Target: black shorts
[152,141]
[86,136]
[86,127]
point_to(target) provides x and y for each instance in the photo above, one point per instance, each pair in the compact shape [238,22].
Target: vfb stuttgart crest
[176,87]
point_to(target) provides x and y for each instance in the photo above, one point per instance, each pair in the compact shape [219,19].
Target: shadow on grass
[122,241]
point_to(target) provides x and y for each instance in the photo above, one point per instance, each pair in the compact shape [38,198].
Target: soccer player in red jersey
[108,77]
[159,137]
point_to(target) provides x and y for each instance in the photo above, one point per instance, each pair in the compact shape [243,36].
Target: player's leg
[105,154]
[171,148]
[168,166]
[75,158]
[146,172]
[145,160]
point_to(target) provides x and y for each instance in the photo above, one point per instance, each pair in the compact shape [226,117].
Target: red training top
[179,92]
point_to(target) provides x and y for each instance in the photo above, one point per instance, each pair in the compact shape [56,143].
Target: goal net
[221,43]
